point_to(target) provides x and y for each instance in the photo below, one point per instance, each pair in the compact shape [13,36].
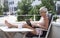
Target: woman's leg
[10,25]
[27,26]
[24,26]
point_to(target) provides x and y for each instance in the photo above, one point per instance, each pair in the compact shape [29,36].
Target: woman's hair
[44,9]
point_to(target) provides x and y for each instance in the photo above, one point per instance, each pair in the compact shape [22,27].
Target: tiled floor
[18,35]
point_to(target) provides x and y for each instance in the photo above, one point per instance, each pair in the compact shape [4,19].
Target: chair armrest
[40,28]
[36,27]
[43,29]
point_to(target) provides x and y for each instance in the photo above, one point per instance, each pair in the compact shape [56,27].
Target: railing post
[34,17]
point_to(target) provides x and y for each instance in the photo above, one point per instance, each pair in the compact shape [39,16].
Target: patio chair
[45,32]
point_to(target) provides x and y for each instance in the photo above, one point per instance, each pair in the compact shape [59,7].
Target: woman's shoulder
[46,18]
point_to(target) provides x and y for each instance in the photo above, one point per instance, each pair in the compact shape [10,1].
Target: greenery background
[26,8]
[1,10]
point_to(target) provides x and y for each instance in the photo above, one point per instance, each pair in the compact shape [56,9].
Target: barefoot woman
[43,22]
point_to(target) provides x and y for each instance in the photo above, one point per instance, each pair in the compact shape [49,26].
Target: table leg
[39,35]
[23,33]
[10,35]
[24,36]
[5,36]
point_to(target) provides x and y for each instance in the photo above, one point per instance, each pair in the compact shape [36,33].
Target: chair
[45,32]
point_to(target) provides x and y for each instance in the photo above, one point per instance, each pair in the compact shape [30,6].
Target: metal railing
[25,16]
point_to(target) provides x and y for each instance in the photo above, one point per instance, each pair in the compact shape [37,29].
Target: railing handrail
[28,15]
[20,15]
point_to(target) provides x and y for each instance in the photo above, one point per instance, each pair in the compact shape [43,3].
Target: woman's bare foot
[7,24]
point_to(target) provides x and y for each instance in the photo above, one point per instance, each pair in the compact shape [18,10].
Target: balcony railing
[24,17]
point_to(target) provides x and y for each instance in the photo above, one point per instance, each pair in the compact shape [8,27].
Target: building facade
[12,4]
[58,6]
[1,3]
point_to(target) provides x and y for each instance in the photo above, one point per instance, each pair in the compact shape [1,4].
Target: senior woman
[42,23]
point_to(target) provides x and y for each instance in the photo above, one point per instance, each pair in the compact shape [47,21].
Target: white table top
[5,29]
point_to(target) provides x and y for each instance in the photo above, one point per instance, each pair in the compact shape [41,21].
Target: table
[5,29]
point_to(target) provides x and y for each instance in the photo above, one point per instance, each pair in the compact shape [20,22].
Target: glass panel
[28,17]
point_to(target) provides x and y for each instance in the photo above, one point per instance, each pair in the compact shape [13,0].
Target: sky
[36,2]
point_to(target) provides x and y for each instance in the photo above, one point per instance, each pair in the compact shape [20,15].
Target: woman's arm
[46,22]
[36,24]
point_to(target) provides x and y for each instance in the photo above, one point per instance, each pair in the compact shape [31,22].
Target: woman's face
[43,13]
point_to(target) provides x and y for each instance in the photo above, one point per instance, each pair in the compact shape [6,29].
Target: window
[15,8]
[58,0]
[58,9]
[11,2]
[39,0]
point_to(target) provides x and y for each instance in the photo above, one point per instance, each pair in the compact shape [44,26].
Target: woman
[43,22]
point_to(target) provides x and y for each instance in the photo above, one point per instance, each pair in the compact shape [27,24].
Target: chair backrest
[45,32]
[50,16]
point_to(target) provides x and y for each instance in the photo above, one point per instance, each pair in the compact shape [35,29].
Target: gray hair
[44,9]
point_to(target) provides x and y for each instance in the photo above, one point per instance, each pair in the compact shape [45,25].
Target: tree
[6,8]
[25,7]
[1,10]
[50,5]
[33,11]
